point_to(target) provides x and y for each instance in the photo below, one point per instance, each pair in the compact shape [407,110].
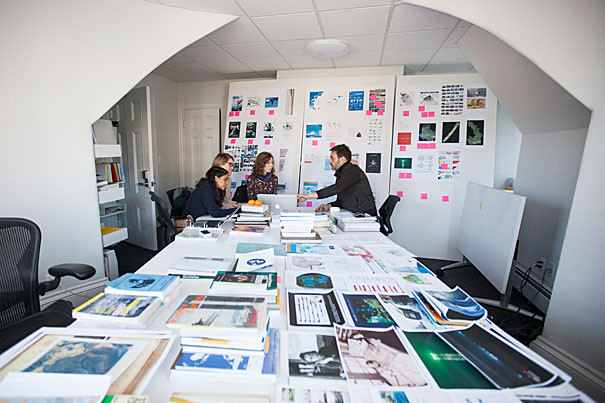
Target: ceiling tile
[275,63]
[412,68]
[258,50]
[362,59]
[189,68]
[206,53]
[456,34]
[267,74]
[358,21]
[416,40]
[449,56]
[241,30]
[256,8]
[407,17]
[206,77]
[240,76]
[463,23]
[292,48]
[403,57]
[212,6]
[308,62]
[448,68]
[202,42]
[291,26]
[340,4]
[364,43]
[227,66]
[170,74]
[177,59]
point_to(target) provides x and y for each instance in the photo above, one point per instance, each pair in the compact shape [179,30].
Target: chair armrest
[79,271]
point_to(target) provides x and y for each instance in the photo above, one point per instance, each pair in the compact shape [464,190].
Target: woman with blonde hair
[263,180]
[225,161]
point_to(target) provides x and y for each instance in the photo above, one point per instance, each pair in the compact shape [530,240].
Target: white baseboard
[77,294]
[585,377]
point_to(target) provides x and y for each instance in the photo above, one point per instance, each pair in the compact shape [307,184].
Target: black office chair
[241,194]
[385,212]
[178,198]
[163,217]
[20,291]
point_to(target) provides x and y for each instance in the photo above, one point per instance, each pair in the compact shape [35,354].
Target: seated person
[225,161]
[208,195]
[262,180]
[352,188]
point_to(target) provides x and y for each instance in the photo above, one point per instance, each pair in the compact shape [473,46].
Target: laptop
[208,221]
[278,202]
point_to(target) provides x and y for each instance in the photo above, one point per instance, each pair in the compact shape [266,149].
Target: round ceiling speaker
[328,48]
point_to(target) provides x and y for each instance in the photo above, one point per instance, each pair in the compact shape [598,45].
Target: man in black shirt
[352,189]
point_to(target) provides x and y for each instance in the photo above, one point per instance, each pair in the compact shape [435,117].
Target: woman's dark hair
[259,165]
[213,172]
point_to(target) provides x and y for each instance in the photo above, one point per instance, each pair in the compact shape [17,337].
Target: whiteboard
[489,229]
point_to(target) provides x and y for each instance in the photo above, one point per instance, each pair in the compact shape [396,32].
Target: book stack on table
[254,216]
[298,226]
[347,221]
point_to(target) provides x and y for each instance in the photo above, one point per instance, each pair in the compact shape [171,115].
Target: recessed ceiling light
[328,48]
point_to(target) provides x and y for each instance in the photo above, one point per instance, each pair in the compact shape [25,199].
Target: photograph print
[373,163]
[451,133]
[474,132]
[236,103]
[271,102]
[268,130]
[234,128]
[427,132]
[314,356]
[314,131]
[251,130]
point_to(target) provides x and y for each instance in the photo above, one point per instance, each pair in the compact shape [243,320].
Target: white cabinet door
[137,154]
[201,142]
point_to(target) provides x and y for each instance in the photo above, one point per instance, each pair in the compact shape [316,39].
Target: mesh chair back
[385,212]
[19,251]
[241,194]
[163,217]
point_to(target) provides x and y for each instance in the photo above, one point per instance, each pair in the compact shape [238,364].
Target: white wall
[508,144]
[64,63]
[556,36]
[165,132]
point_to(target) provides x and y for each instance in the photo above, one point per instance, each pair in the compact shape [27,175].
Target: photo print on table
[236,103]
[251,130]
[367,311]
[450,132]
[427,132]
[314,280]
[474,132]
[234,129]
[314,356]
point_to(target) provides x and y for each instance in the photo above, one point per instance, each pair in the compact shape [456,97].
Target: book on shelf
[224,317]
[301,239]
[197,265]
[109,230]
[144,284]
[117,308]
[248,230]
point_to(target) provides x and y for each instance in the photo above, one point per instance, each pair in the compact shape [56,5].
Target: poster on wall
[234,128]
[251,130]
[236,103]
[313,131]
[474,132]
[377,99]
[373,163]
[315,100]
[356,100]
[427,132]
[253,102]
[452,99]
[476,98]
[448,164]
[271,102]
[451,133]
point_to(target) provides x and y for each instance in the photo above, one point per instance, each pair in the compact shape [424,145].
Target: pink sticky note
[400,194]
[267,142]
[272,112]
[424,196]
[432,146]
[250,141]
[443,166]
[232,141]
[421,109]
[369,112]
[379,104]
[424,114]
[252,112]
[332,144]
[247,177]
[401,175]
[314,142]
[402,148]
[309,204]
[380,113]
[231,114]
[408,175]
[406,113]
[236,113]
[431,114]
[445,199]
[421,146]
[373,97]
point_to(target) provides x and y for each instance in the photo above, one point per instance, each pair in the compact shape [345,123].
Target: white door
[201,142]
[137,153]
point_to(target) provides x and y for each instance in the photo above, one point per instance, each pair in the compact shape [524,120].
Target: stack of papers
[151,285]
[348,221]
[298,226]
[245,284]
[201,266]
[117,308]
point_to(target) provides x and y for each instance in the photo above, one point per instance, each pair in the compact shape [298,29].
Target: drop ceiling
[271,35]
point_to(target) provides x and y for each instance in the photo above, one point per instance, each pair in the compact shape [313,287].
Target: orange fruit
[258,203]
[251,202]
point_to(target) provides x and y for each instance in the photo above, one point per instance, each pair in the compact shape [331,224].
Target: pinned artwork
[268,130]
[234,129]
[404,138]
[406,99]
[452,99]
[271,102]
[474,132]
[373,163]
[403,163]
[315,100]
[309,187]
[427,131]
[429,98]
[251,130]
[476,98]
[236,103]
[378,99]
[448,165]
[356,100]
[451,132]
[289,102]
[375,131]
[313,130]
[253,102]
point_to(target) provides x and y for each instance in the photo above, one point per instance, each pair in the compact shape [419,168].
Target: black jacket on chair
[352,190]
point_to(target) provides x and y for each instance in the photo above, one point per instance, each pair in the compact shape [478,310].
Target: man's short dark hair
[342,150]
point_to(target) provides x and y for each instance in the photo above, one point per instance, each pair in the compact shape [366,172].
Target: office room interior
[66,63]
